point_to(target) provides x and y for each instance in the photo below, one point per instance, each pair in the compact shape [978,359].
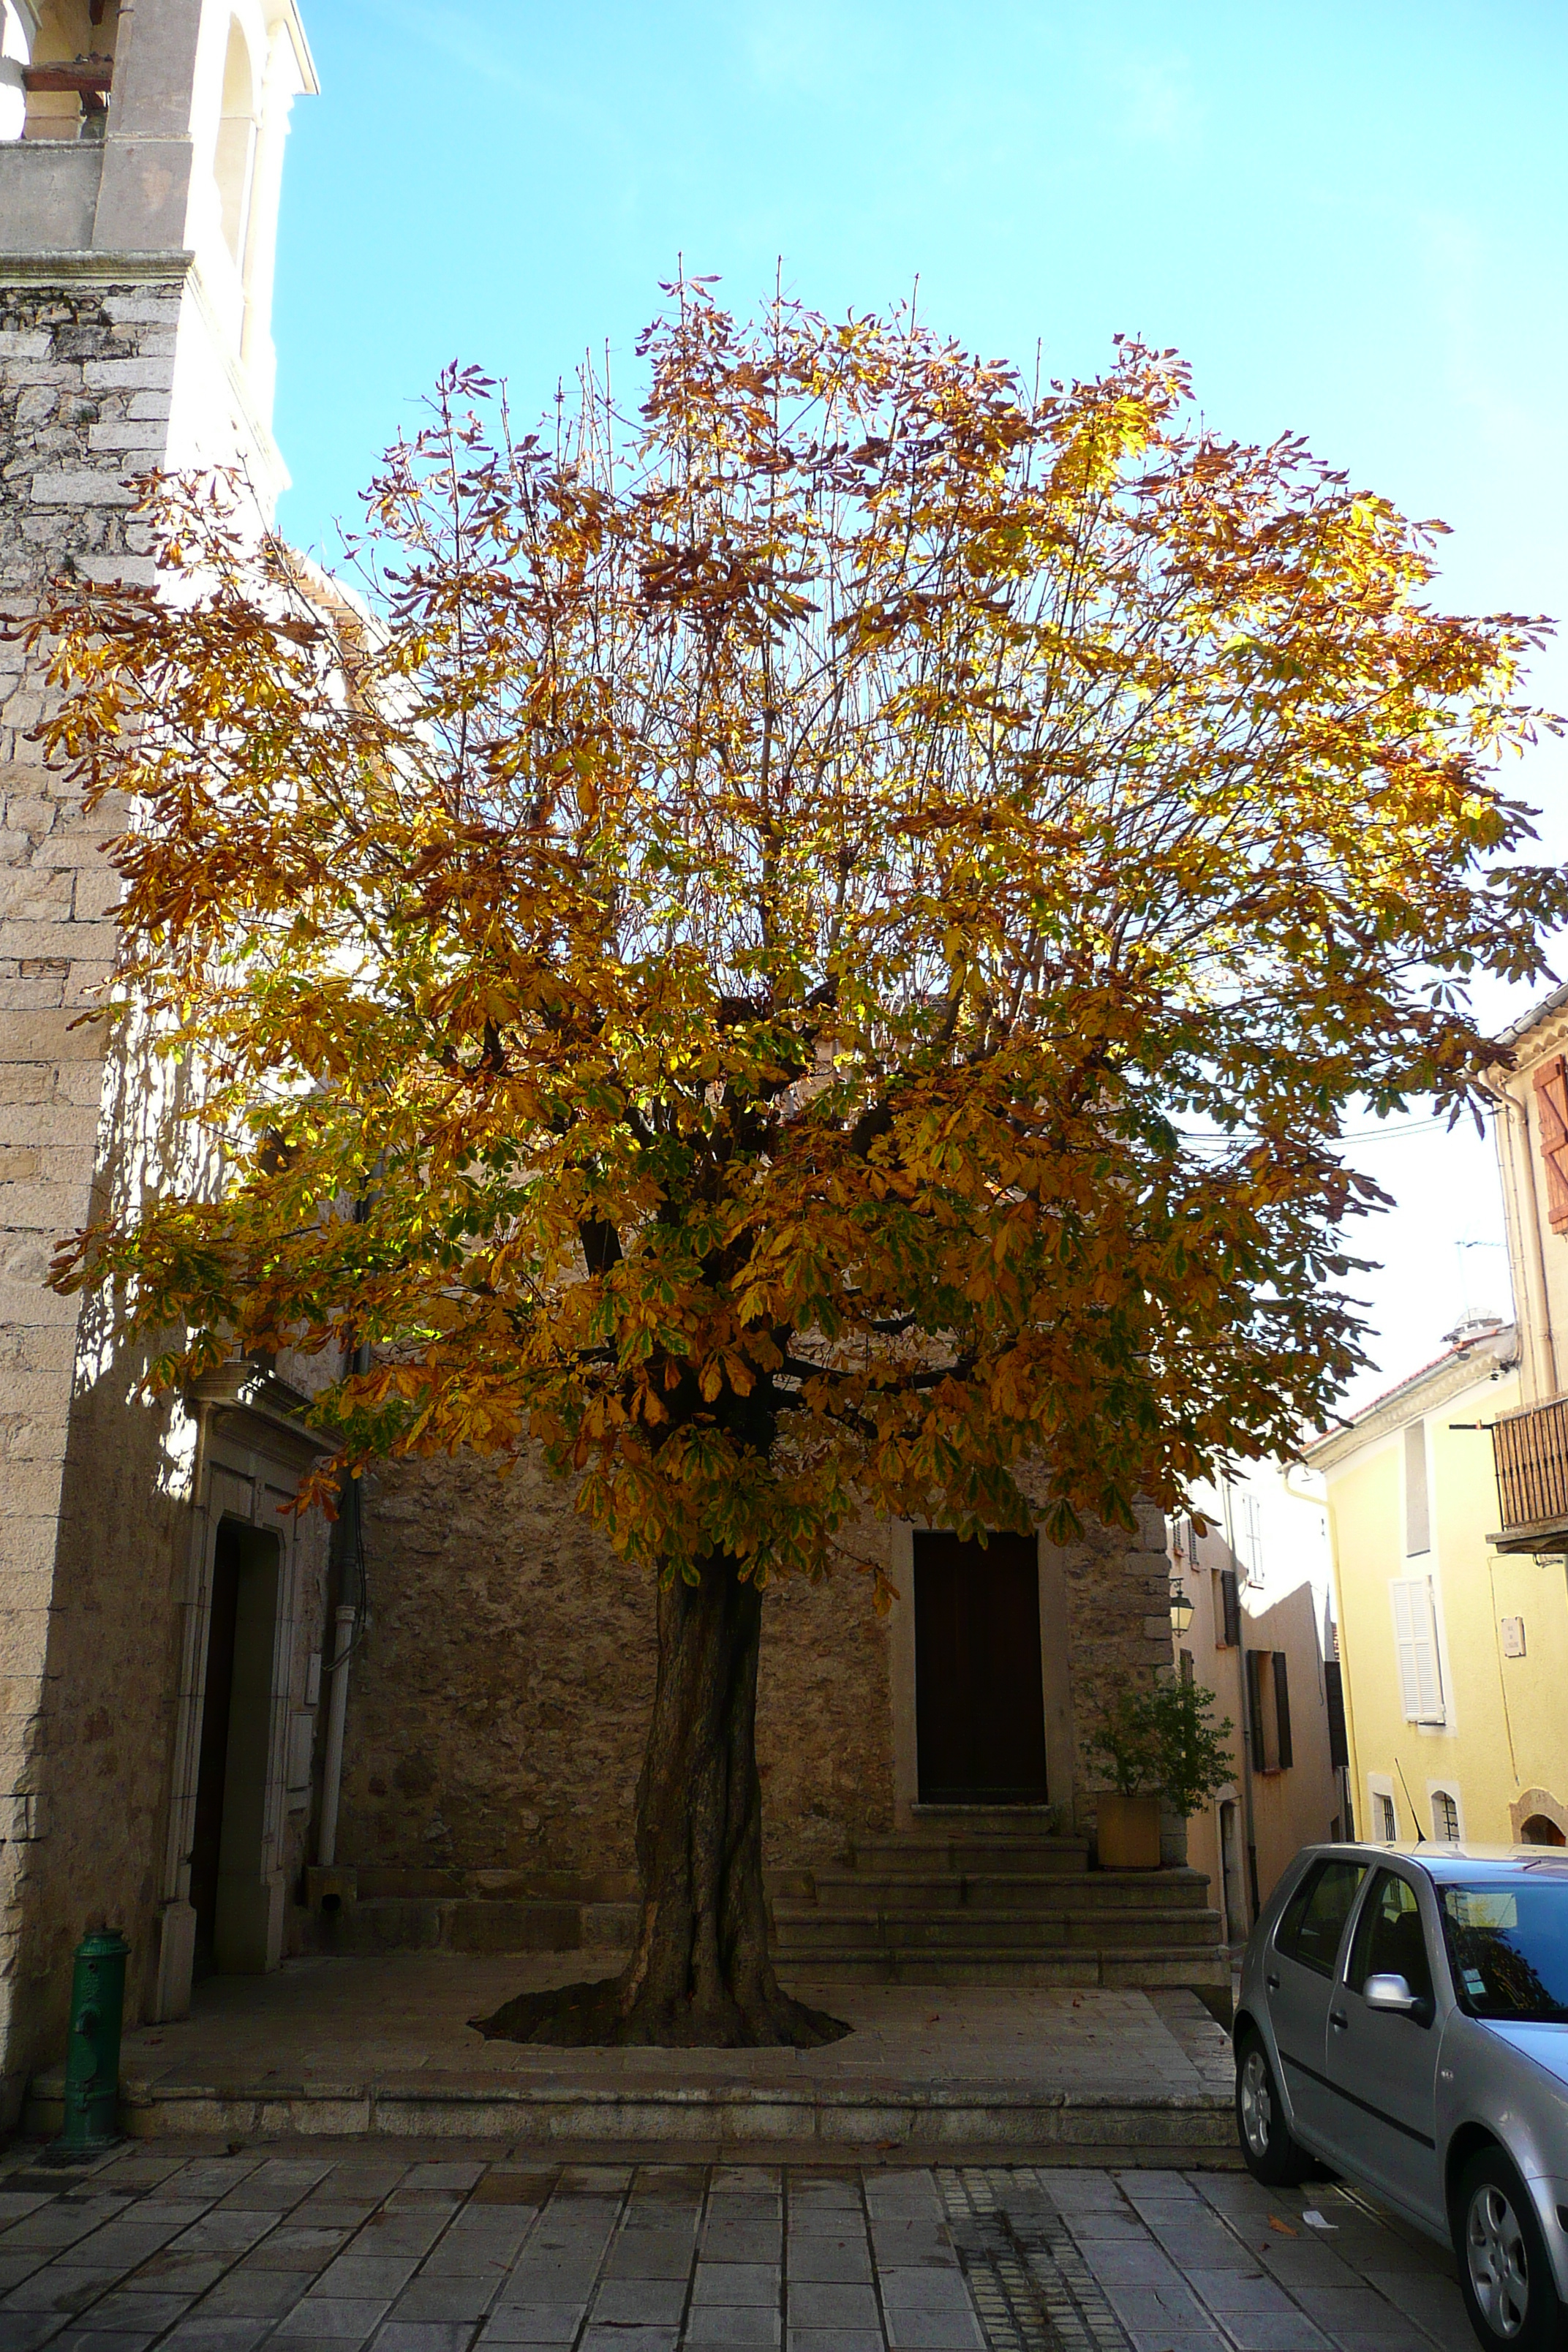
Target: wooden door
[212,1770]
[980,1716]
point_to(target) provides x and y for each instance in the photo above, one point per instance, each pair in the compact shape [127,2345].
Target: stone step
[979,1965]
[423,1924]
[927,1855]
[857,1890]
[803,1934]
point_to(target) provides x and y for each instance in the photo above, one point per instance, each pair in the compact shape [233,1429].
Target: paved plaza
[954,2074]
[344,2244]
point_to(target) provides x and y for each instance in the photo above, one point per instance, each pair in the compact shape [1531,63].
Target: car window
[1508,1947]
[1314,1918]
[1389,1937]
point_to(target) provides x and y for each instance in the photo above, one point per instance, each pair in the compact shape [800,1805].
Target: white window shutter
[1415,1639]
[1429,1679]
[1404,1590]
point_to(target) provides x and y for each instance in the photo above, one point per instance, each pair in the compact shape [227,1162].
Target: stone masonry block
[24,1643]
[66,1128]
[108,571]
[77,842]
[38,992]
[45,1034]
[89,978]
[36,1393]
[24,1082]
[98,890]
[24,343]
[32,1490]
[78,486]
[33,894]
[26,1206]
[80,1083]
[153,305]
[44,939]
[19,1164]
[24,1259]
[39,1347]
[127,375]
[139,436]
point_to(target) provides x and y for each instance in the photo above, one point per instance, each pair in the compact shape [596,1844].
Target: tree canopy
[806,945]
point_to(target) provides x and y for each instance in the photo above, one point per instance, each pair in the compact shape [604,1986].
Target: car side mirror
[1388,1993]
[1392,1992]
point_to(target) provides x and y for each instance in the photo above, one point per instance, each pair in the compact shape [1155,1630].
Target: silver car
[1404,2019]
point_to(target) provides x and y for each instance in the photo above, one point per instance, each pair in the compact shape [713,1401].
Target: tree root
[592,2015]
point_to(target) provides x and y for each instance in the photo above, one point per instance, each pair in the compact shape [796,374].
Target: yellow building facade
[1454,1648]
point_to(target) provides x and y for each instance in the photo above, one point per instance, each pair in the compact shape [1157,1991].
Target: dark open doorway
[980,1717]
[226,1892]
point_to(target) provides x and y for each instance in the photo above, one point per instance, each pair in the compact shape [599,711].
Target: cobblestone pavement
[369,2246]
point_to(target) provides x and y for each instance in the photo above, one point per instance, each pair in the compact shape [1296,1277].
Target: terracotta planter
[1127,1831]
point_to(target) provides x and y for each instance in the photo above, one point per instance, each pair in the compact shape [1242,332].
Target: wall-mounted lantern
[1181,1607]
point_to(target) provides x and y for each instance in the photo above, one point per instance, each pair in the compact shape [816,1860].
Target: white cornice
[1450,1377]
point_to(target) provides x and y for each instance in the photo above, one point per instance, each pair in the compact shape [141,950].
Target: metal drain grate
[1033,2289]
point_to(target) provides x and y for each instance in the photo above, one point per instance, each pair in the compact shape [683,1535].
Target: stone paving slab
[699,2258]
[382,2047]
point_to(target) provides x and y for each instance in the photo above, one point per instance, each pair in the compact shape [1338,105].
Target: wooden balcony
[1529,1452]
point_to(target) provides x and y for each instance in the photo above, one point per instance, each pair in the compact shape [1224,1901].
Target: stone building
[141,150]
[170,1761]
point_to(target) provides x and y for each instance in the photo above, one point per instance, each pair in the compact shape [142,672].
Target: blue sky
[1351,219]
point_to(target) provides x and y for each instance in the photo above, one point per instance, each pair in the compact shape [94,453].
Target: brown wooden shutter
[1282,1710]
[1552,1112]
[1230,1603]
[1255,1709]
[1334,1689]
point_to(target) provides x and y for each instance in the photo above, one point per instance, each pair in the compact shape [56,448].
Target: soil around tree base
[590,2015]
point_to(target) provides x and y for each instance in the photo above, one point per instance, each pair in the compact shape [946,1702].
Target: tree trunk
[700,1973]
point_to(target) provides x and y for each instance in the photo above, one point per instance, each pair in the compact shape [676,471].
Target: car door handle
[1337,2017]
[1272,1982]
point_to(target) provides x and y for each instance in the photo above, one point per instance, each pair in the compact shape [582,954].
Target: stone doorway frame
[1055,1680]
[1537,1801]
[251,1448]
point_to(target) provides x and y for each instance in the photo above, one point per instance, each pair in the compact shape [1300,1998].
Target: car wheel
[1505,2275]
[1270,2153]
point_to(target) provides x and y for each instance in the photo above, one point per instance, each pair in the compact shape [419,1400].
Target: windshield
[1508,1947]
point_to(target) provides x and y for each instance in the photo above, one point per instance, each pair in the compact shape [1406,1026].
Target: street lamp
[1181,1607]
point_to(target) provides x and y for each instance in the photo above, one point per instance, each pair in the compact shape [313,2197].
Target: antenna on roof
[1420,1833]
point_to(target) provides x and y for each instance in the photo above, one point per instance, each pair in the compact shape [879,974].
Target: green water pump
[92,2054]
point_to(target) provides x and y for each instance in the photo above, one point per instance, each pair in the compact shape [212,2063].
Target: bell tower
[141,146]
[140,159]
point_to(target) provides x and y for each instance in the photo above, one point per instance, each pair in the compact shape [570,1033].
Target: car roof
[1444,1862]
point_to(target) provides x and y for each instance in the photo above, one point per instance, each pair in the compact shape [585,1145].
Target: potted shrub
[1159,1744]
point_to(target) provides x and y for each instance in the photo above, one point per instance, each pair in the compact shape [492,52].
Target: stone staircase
[977,1896]
[970,1896]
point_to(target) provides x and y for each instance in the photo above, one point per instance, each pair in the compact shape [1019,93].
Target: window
[1230,1608]
[1552,1120]
[1446,1816]
[1269,1710]
[1382,1813]
[1417,1518]
[1189,1671]
[1415,1641]
[1314,1918]
[1282,1748]
[1389,1937]
[1508,1947]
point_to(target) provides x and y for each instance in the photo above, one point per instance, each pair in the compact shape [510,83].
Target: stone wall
[500,1700]
[499,1696]
[1118,1633]
[85,376]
